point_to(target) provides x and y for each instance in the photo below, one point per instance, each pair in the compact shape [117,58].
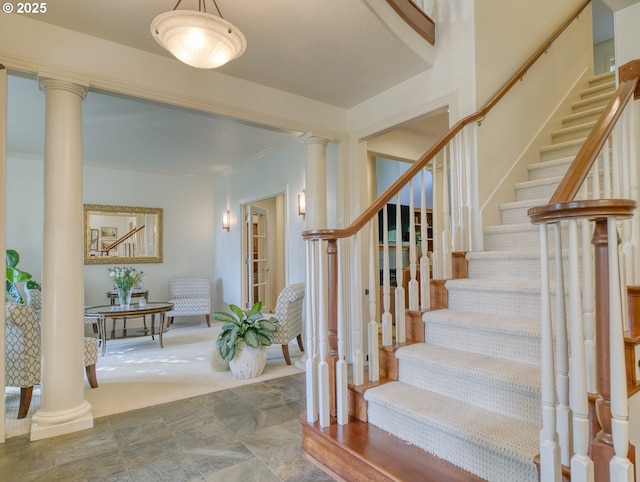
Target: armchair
[22,351]
[289,315]
[191,296]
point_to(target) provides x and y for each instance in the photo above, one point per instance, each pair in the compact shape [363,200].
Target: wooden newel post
[602,444]
[332,320]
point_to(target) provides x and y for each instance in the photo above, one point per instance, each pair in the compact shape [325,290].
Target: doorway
[263,251]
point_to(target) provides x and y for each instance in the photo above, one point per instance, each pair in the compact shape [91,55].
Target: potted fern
[243,340]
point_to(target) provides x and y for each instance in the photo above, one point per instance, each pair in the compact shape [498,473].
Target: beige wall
[509,138]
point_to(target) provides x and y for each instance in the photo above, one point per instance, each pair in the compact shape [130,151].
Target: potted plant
[14,275]
[244,338]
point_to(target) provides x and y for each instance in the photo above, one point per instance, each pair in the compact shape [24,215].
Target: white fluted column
[63,408]
[316,182]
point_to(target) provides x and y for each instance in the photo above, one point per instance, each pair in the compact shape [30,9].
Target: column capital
[311,139]
[75,87]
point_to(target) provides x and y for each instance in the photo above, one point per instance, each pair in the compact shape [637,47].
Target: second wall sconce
[302,203]
[226,216]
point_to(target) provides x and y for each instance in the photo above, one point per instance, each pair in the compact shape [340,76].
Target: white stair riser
[464,454]
[537,190]
[598,89]
[582,117]
[516,215]
[572,133]
[503,303]
[516,404]
[514,269]
[544,170]
[552,152]
[501,345]
[590,103]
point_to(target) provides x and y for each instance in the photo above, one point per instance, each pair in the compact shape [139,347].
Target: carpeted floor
[136,373]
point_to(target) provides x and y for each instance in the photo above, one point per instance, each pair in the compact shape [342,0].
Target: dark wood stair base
[359,451]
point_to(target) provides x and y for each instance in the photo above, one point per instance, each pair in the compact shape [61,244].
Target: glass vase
[124,296]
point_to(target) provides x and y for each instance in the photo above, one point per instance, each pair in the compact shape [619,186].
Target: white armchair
[289,315]
[191,296]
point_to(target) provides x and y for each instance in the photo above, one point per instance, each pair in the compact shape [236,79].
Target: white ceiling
[334,51]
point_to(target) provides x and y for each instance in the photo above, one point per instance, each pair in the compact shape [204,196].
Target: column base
[50,424]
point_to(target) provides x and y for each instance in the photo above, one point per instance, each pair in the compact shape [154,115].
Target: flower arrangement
[125,278]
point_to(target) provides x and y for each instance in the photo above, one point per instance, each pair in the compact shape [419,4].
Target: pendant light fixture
[198,39]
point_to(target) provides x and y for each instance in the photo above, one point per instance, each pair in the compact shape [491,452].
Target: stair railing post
[621,469]
[563,410]
[436,257]
[550,462]
[325,379]
[414,292]
[342,379]
[602,444]
[386,282]
[582,467]
[311,365]
[446,219]
[399,291]
[372,327]
[358,350]
[332,319]
[425,268]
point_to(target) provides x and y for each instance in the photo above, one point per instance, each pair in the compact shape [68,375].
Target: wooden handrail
[122,239]
[410,173]
[416,18]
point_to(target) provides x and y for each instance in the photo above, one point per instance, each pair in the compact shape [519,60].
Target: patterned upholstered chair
[22,352]
[289,315]
[191,296]
[34,299]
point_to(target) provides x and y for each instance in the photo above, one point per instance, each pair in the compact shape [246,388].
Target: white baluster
[425,271]
[311,365]
[372,328]
[634,193]
[588,295]
[436,258]
[358,353]
[399,292]
[620,468]
[342,391]
[386,282]
[549,451]
[323,345]
[563,415]
[454,200]
[446,221]
[581,464]
[414,289]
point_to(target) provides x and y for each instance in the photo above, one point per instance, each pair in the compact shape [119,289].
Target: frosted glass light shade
[198,39]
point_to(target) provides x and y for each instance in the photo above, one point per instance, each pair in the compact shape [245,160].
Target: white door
[256,256]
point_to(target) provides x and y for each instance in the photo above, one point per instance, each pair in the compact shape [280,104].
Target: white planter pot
[218,364]
[248,362]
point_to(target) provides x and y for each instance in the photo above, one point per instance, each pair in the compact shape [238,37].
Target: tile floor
[249,433]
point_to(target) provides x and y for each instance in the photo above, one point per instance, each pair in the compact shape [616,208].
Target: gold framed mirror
[122,234]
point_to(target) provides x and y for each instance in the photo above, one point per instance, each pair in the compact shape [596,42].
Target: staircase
[470,394]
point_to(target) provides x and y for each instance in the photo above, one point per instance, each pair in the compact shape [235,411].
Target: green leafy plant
[15,275]
[239,325]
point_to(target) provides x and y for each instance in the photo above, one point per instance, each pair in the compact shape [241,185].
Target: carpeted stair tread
[510,325]
[509,437]
[492,285]
[495,371]
[533,254]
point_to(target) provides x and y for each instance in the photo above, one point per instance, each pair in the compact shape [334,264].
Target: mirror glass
[122,234]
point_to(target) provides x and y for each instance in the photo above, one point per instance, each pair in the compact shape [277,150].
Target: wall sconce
[302,206]
[226,216]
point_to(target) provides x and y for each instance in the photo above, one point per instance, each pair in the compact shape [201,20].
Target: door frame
[283,212]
